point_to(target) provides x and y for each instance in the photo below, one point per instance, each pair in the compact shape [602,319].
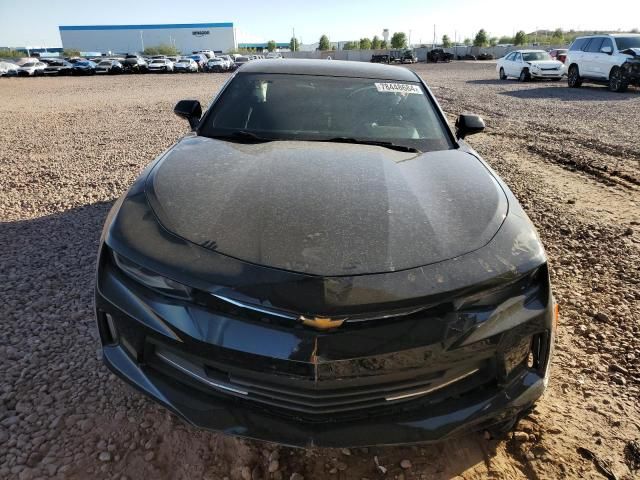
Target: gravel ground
[70,146]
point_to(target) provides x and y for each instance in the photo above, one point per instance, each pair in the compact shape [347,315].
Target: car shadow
[591,93]
[47,269]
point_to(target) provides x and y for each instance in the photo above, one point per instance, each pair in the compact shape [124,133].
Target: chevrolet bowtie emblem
[321,323]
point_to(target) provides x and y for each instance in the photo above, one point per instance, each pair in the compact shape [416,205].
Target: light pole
[141,41]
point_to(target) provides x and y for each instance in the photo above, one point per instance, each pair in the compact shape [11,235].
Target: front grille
[307,397]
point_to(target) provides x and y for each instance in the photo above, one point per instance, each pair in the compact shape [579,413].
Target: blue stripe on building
[145,27]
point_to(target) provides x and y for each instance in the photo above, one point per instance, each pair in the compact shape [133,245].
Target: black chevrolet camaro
[323,261]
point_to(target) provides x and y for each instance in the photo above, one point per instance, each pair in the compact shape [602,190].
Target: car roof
[530,51]
[614,35]
[336,68]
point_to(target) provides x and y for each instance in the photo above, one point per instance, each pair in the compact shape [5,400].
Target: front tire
[525,76]
[573,79]
[503,76]
[617,82]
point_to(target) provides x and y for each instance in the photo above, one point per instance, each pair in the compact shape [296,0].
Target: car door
[516,65]
[605,61]
[576,54]
[592,57]
[508,63]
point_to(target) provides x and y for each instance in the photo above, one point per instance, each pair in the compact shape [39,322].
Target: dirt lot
[70,146]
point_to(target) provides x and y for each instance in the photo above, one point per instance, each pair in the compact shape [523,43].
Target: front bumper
[144,327]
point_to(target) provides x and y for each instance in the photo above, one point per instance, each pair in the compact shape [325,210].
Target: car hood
[326,208]
[546,63]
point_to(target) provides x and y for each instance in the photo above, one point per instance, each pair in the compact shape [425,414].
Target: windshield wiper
[378,143]
[243,136]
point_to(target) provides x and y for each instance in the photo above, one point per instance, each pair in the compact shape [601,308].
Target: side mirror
[189,110]
[607,50]
[468,124]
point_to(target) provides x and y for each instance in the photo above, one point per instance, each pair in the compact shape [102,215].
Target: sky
[35,22]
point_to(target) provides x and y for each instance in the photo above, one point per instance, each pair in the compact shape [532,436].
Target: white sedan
[528,64]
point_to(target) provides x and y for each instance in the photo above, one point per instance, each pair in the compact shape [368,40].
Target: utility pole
[293,40]
[434,36]
[141,41]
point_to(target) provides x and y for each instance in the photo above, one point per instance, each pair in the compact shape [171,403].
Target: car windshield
[323,108]
[158,61]
[533,56]
[30,64]
[105,63]
[628,42]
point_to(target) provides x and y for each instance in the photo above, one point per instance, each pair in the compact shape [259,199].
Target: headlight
[150,279]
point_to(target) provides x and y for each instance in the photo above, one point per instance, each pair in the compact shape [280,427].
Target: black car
[110,67]
[134,63]
[439,55]
[322,261]
[84,67]
[58,67]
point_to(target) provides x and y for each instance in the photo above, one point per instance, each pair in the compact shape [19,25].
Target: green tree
[375,43]
[399,40]
[271,45]
[558,36]
[446,41]
[467,41]
[384,45]
[493,41]
[504,40]
[71,52]
[324,43]
[350,46]
[634,30]
[294,44]
[520,38]
[482,39]
[365,44]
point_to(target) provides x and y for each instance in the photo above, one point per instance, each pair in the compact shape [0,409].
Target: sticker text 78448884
[398,88]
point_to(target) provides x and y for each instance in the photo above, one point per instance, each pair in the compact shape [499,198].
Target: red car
[559,54]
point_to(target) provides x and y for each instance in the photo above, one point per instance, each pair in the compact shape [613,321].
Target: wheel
[503,76]
[574,80]
[617,82]
[525,76]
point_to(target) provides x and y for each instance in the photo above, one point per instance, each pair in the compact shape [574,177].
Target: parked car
[380,58]
[58,67]
[439,55]
[160,65]
[402,56]
[111,67]
[467,57]
[135,63]
[485,56]
[185,64]
[241,60]
[610,59]
[274,55]
[529,64]
[229,61]
[216,64]
[8,69]
[84,67]
[200,59]
[343,275]
[32,69]
[559,54]
[209,54]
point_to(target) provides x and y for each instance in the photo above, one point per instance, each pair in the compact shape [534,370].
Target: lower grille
[308,399]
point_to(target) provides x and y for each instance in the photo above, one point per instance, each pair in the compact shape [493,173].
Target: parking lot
[72,145]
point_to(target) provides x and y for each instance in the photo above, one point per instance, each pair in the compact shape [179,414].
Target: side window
[518,57]
[510,56]
[607,43]
[594,45]
[578,44]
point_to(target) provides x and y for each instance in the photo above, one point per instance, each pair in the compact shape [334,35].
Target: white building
[186,37]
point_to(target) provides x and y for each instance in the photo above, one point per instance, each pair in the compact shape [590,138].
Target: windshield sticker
[398,88]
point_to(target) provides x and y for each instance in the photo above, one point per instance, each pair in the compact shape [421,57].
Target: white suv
[612,59]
